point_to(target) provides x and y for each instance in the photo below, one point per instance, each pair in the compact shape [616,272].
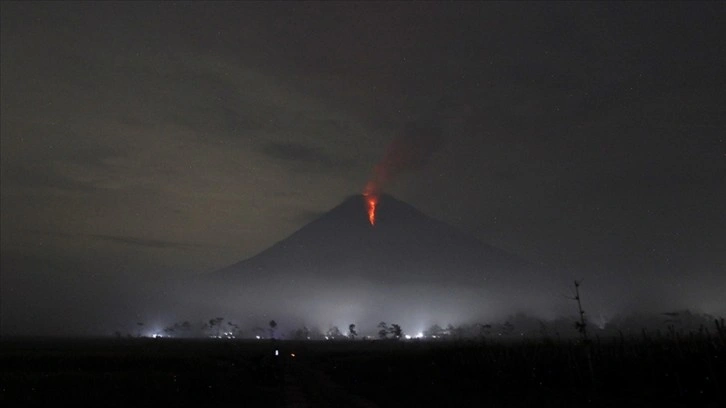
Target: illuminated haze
[146,146]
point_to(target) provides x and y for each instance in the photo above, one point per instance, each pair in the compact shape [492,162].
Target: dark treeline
[519,326]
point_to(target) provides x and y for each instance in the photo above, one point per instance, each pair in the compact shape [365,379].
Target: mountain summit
[403,246]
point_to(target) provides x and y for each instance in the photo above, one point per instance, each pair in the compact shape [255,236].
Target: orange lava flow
[372,202]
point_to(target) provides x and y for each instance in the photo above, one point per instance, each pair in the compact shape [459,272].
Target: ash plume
[410,150]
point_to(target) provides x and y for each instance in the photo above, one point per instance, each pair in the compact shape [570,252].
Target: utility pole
[582,324]
[582,328]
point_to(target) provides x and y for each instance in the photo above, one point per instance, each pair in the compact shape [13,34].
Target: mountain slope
[408,268]
[404,246]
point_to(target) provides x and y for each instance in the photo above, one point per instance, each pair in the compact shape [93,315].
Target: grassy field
[663,372]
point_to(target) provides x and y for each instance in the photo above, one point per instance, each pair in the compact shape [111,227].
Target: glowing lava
[372,201]
[371,196]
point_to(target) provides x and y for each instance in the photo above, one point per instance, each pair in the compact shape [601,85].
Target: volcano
[406,264]
[404,246]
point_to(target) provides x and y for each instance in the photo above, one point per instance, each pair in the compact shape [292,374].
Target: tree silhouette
[214,324]
[334,333]
[273,325]
[234,329]
[435,331]
[507,328]
[301,334]
[179,329]
[396,331]
[484,329]
[383,330]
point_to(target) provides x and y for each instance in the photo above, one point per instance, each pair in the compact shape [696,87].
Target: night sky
[151,141]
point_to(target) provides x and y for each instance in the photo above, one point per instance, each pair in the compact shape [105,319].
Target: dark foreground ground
[139,372]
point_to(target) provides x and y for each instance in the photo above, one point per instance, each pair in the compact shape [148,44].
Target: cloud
[42,177]
[145,242]
[302,156]
[119,239]
[78,170]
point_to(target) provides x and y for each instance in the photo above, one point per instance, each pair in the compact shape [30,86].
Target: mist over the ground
[77,305]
